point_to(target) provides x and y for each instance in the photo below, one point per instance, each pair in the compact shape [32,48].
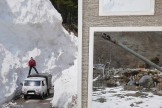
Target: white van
[37,85]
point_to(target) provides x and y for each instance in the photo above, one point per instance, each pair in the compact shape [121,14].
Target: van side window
[42,83]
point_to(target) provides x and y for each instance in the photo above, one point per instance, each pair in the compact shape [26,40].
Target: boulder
[146,81]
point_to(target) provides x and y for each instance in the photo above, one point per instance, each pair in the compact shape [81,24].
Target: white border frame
[91,47]
[151,12]
[79,93]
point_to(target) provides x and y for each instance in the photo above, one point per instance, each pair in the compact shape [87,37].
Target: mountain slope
[148,44]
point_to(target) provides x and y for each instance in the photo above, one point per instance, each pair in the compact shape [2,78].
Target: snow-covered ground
[117,97]
[33,28]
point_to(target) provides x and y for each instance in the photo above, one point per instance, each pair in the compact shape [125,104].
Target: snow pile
[33,28]
[118,98]
[66,84]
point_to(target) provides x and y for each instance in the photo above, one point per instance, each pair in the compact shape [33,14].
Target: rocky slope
[148,44]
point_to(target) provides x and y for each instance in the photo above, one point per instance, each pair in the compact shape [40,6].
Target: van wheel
[42,96]
[48,92]
[25,97]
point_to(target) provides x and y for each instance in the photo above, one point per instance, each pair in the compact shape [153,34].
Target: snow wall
[33,28]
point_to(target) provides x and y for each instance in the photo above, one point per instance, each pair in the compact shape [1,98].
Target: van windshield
[32,83]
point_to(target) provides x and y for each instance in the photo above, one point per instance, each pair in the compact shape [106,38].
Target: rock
[132,87]
[111,83]
[159,86]
[146,81]
[131,82]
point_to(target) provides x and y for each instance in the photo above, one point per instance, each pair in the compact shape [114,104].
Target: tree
[68,10]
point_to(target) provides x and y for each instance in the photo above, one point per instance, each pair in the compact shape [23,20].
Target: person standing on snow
[32,64]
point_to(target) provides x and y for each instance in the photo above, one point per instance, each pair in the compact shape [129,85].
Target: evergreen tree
[68,10]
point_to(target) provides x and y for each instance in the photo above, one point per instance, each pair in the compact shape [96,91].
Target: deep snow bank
[66,83]
[34,28]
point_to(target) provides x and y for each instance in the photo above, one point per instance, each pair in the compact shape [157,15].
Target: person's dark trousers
[31,69]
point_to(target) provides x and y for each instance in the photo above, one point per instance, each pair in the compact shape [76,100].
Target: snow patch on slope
[116,97]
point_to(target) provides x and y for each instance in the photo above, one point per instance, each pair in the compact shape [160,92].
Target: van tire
[42,96]
[48,92]
[25,97]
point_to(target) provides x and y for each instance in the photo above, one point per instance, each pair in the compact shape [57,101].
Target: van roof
[35,78]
